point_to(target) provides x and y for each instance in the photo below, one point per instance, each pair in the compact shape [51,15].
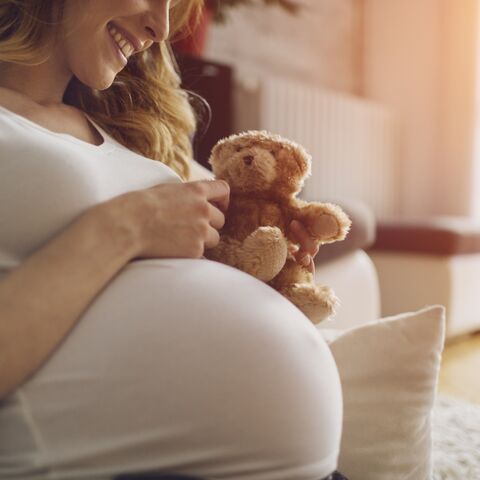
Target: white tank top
[47,179]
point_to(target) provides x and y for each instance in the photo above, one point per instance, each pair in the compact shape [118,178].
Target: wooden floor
[460,370]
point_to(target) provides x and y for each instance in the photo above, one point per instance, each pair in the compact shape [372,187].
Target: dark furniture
[213,82]
[154,476]
[334,476]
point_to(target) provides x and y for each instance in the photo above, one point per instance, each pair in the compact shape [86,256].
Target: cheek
[92,60]
[88,47]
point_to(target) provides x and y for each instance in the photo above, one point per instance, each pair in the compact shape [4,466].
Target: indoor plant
[217,11]
[220,8]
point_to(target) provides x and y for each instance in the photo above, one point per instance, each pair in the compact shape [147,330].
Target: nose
[248,159]
[157,22]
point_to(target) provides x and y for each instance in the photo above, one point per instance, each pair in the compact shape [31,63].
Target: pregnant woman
[122,350]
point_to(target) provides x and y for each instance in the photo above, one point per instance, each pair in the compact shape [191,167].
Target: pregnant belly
[182,310]
[172,310]
[191,355]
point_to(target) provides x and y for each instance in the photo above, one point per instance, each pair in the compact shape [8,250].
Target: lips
[118,51]
[136,43]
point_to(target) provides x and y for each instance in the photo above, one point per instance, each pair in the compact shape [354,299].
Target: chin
[102,81]
[105,84]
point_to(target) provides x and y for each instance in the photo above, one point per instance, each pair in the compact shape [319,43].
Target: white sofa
[354,279]
[346,267]
[434,260]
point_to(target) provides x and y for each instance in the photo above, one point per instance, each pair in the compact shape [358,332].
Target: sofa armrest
[354,280]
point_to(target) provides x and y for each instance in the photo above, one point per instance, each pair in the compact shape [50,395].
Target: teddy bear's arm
[324,221]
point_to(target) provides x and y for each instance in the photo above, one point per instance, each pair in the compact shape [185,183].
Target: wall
[354,144]
[320,45]
[420,60]
[457,183]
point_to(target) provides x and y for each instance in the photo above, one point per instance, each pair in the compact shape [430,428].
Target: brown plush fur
[265,172]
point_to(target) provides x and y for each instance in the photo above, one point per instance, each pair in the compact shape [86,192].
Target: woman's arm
[42,299]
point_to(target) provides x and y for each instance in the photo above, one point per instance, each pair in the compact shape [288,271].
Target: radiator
[353,142]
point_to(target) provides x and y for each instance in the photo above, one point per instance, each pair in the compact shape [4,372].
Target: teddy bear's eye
[272,152]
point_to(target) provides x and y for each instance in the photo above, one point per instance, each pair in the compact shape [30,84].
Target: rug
[456,440]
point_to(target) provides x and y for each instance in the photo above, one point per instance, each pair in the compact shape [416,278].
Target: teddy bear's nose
[248,159]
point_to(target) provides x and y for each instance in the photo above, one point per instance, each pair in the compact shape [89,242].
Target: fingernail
[305,261]
[295,223]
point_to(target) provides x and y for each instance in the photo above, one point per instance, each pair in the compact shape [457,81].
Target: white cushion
[389,372]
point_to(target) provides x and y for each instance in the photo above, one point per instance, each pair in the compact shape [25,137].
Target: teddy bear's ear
[216,157]
[295,161]
[221,153]
[303,159]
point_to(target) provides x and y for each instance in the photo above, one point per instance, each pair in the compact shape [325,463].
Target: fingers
[217,201]
[216,217]
[311,265]
[216,192]
[212,238]
[308,246]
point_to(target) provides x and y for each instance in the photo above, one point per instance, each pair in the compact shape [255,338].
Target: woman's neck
[44,84]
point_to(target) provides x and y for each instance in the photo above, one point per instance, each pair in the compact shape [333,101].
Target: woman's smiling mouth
[122,44]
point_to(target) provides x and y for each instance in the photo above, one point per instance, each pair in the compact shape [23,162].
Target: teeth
[127,50]
[125,46]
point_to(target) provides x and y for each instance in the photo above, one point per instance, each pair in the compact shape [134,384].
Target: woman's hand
[308,246]
[172,220]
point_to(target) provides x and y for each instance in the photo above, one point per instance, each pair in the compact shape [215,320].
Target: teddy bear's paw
[331,223]
[265,253]
[327,227]
[316,302]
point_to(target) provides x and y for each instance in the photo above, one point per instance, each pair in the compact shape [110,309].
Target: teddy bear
[265,172]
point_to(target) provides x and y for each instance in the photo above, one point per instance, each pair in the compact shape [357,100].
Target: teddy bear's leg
[315,301]
[226,251]
[263,253]
[297,283]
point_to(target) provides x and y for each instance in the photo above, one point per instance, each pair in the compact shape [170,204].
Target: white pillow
[389,372]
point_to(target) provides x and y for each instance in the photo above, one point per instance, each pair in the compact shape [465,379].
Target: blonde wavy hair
[144,109]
